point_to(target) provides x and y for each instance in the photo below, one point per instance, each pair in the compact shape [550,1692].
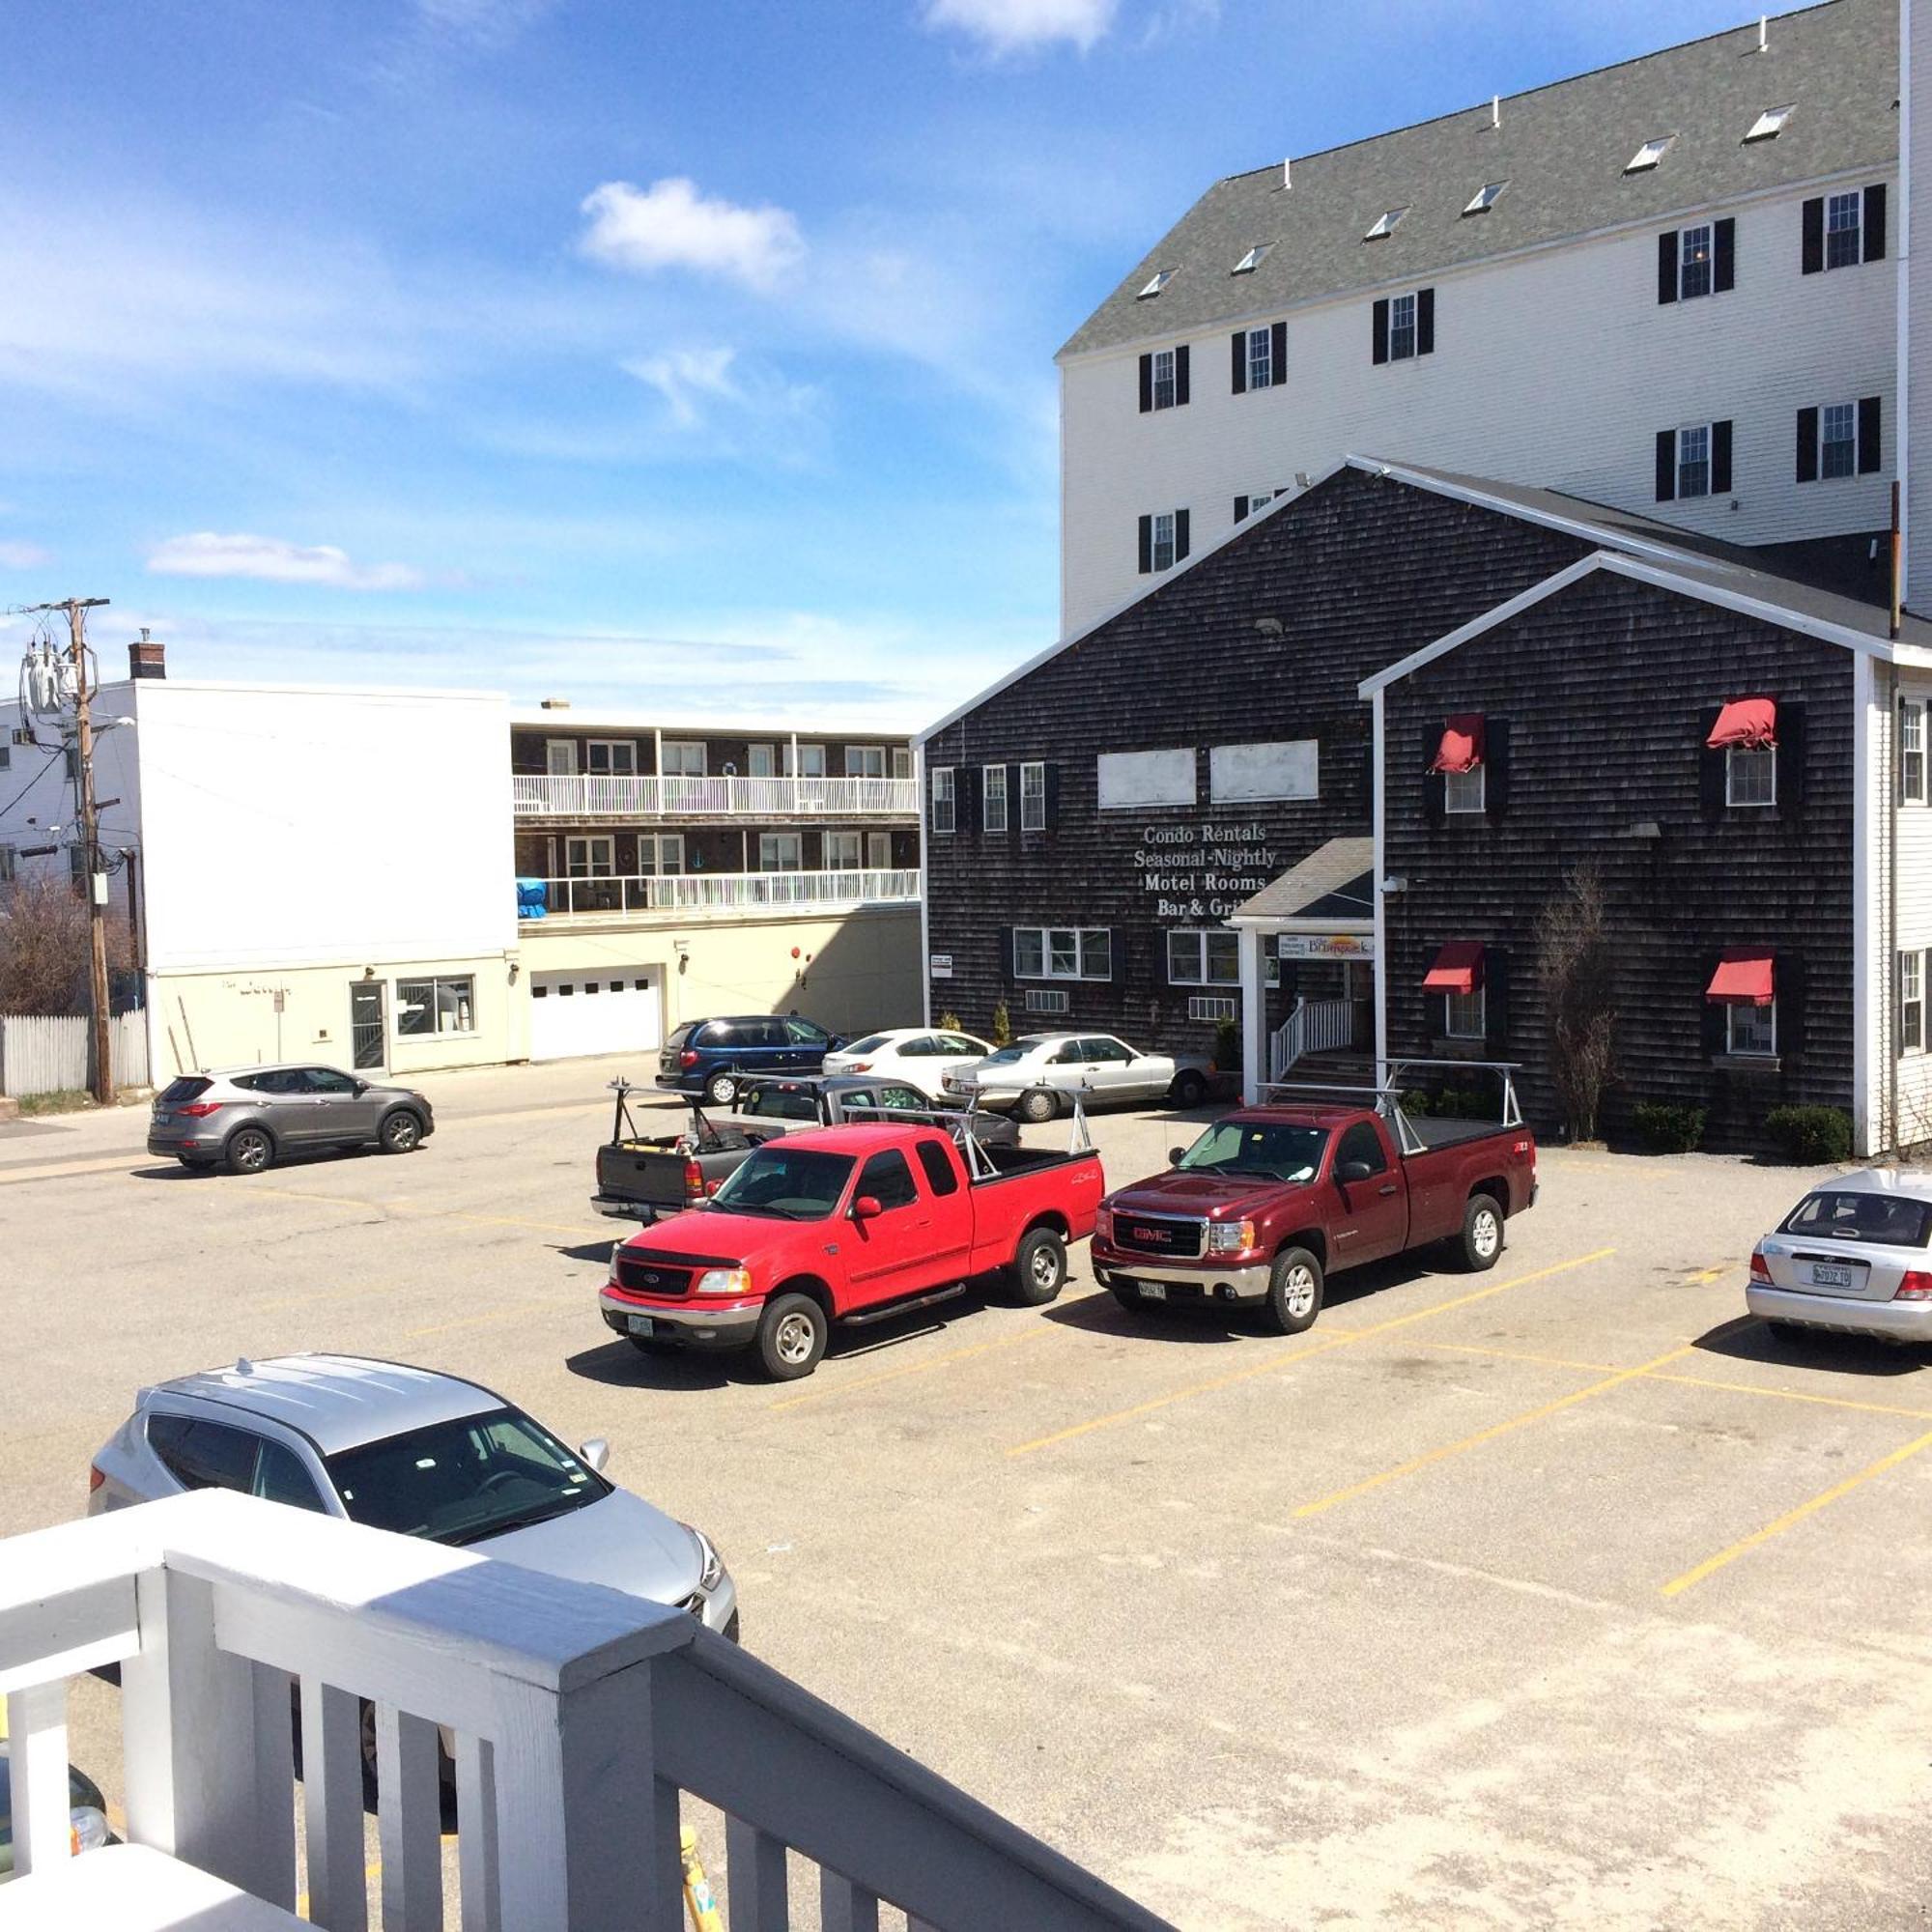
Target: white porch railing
[591,795]
[724,893]
[580,1716]
[1315,1026]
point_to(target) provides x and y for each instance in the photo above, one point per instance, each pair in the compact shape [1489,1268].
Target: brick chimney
[146,657]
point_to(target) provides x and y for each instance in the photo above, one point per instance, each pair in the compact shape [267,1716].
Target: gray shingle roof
[1562,148]
[1334,881]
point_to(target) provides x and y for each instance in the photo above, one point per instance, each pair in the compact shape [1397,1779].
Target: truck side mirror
[594,1454]
[1355,1170]
[866,1207]
[1175,1155]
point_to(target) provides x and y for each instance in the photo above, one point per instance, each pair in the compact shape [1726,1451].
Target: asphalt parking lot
[1559,1594]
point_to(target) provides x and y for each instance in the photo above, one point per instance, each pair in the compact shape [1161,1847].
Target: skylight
[1386,225]
[1161,278]
[1251,261]
[1648,155]
[1485,197]
[1768,125]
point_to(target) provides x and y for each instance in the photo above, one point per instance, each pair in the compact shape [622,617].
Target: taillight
[1760,1268]
[1917,1285]
[95,1479]
[693,1181]
[687,1057]
[201,1109]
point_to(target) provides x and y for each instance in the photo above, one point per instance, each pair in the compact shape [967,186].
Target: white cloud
[709,390]
[16,555]
[274,560]
[670,225]
[1010,26]
[687,377]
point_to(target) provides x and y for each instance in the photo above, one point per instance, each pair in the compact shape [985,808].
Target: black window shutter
[1714,1015]
[1237,365]
[1006,960]
[1721,459]
[1013,803]
[1496,766]
[1874,234]
[1667,266]
[1433,806]
[1241,508]
[966,798]
[1278,352]
[1710,767]
[1790,757]
[1811,252]
[1870,417]
[1425,322]
[1379,341]
[1158,963]
[1725,268]
[1807,445]
[1495,996]
[1053,798]
[1181,521]
[1788,986]
[1147,545]
[1147,383]
[1667,467]
[1116,956]
[1180,375]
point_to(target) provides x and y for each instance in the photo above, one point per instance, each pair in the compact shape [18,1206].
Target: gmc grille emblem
[1147,1234]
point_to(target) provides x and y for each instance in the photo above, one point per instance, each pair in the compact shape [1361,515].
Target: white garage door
[614,1009]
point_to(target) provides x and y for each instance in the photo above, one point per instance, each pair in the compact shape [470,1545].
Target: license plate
[1153,1290]
[1825,1275]
[641,1324]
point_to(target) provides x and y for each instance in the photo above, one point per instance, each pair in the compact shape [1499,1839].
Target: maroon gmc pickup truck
[1271,1201]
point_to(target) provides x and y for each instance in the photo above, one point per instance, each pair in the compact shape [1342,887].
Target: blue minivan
[707,1056]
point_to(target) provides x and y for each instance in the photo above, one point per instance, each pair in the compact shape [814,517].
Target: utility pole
[100,1053]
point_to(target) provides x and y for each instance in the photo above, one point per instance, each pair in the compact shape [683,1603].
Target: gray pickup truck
[651,1176]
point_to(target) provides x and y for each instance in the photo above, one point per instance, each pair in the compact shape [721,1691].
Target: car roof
[339,1402]
[1914,1183]
[857,1139]
[1303,1114]
[259,1066]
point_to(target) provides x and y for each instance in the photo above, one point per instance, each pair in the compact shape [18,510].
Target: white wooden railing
[579,1717]
[1315,1026]
[588,795]
[722,892]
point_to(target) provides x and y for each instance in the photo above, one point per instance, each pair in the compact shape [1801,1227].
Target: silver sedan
[1853,1257]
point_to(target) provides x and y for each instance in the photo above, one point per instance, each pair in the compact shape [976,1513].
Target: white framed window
[1485,198]
[1911,1003]
[944,818]
[1844,230]
[879,851]
[1464,791]
[811,761]
[1155,282]
[661,853]
[610,758]
[1033,798]
[865,761]
[841,851]
[590,858]
[436,1006]
[1694,461]
[1648,155]
[1047,1000]
[1750,1032]
[1163,379]
[1163,540]
[1694,257]
[781,852]
[1912,750]
[1768,125]
[902,761]
[1204,957]
[683,757]
[761,761]
[1252,259]
[1466,1016]
[1401,328]
[1212,1006]
[1750,775]
[1385,224]
[1247,506]
[1838,440]
[993,797]
[1261,358]
[560,757]
[1063,953]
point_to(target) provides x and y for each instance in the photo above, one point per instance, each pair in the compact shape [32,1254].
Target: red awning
[1742,979]
[1749,722]
[1461,745]
[1457,968]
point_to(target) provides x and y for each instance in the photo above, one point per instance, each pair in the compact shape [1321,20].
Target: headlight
[1103,1225]
[1229,1237]
[723,1281]
[713,1564]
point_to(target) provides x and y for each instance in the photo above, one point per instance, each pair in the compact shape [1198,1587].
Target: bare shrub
[1576,965]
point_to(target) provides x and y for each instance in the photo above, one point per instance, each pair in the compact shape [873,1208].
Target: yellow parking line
[1489,1435]
[1517,1355]
[1282,1358]
[1711,1565]
[1799,1395]
[1033,1334]
[125,1161]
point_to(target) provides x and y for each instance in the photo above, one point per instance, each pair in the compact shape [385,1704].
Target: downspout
[1892,794]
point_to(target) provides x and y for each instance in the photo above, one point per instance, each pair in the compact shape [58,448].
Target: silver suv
[246,1118]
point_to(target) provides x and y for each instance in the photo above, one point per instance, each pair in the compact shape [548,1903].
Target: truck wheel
[792,1337]
[1294,1291]
[1040,1267]
[1036,1104]
[1482,1232]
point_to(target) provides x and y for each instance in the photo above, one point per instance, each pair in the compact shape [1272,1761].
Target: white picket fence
[47,1053]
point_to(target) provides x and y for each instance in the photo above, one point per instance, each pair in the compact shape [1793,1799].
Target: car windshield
[1275,1150]
[788,1184]
[458,1482]
[1846,1214]
[871,1043]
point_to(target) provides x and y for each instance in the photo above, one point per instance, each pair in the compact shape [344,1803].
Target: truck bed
[1433,1134]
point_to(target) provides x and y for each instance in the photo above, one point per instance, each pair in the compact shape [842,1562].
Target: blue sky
[692,355]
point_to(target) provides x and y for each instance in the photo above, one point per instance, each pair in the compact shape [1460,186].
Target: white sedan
[1039,1074]
[1854,1256]
[919,1056]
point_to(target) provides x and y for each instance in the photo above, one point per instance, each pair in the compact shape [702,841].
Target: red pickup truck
[1271,1201]
[849,1224]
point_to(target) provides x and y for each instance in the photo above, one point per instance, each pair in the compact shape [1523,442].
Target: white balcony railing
[1315,1026]
[589,795]
[714,892]
[579,1719]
